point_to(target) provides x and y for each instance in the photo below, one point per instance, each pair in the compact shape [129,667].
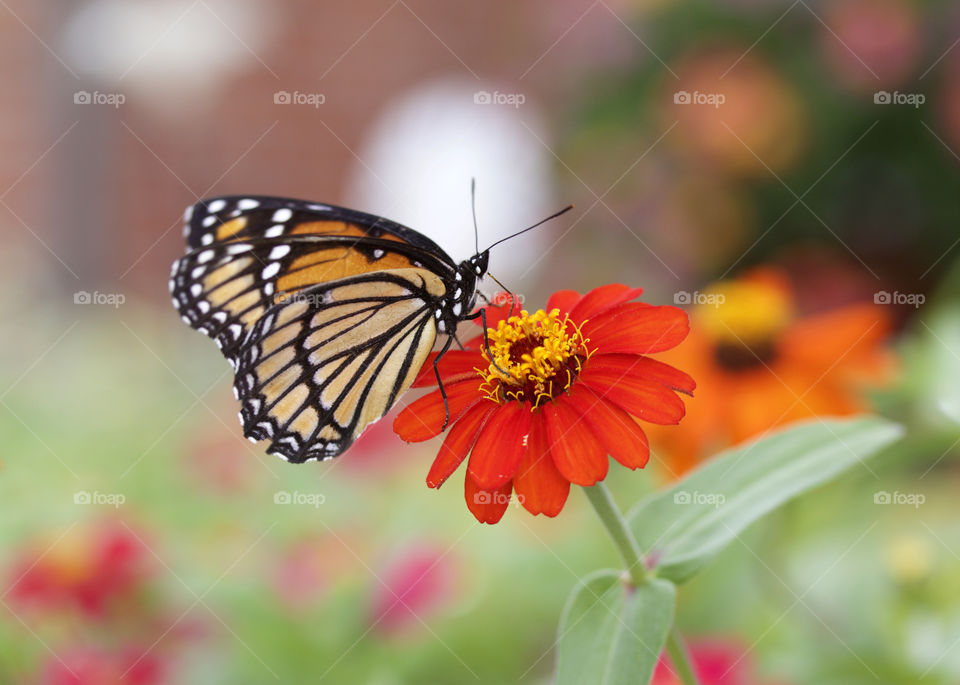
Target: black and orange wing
[325,314]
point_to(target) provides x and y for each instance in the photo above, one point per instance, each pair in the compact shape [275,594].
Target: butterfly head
[462,297]
[477,264]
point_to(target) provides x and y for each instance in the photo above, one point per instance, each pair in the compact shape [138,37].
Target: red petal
[620,435]
[540,487]
[455,366]
[424,418]
[564,300]
[646,400]
[456,446]
[637,328]
[601,299]
[500,447]
[577,454]
[487,505]
[645,368]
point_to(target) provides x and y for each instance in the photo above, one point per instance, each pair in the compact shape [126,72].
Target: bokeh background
[144,541]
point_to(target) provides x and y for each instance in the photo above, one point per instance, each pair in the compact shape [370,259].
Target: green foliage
[612,633]
[681,529]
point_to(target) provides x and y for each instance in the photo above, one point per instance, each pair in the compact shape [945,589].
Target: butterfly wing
[251,253]
[245,217]
[318,369]
[325,314]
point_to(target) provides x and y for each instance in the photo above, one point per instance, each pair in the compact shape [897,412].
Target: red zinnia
[565,388]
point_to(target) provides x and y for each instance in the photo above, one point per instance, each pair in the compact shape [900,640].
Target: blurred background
[798,160]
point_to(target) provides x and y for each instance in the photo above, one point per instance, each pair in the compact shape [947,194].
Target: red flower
[90,570]
[565,388]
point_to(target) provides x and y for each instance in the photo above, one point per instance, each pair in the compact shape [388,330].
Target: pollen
[535,358]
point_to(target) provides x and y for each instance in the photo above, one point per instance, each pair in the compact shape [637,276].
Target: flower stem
[680,658]
[616,526]
[629,550]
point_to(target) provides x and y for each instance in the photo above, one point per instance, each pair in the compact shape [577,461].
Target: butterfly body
[326,314]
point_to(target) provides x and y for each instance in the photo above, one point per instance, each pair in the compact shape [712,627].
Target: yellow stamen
[535,357]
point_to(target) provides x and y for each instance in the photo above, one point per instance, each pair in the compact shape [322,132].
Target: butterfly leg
[482,313]
[443,392]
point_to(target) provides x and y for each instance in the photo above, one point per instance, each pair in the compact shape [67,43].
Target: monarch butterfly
[325,314]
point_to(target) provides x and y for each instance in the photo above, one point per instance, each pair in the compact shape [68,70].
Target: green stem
[680,658]
[616,526]
[629,550]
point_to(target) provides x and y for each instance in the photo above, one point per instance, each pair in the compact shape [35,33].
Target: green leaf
[611,633]
[681,529]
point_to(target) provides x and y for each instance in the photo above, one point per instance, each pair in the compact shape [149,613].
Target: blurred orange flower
[563,390]
[735,113]
[760,364]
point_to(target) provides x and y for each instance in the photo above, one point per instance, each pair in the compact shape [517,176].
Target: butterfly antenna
[513,298]
[530,228]
[473,209]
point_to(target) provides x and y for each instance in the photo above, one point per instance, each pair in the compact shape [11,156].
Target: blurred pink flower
[88,666]
[411,586]
[948,108]
[870,44]
[299,577]
[89,570]
[220,463]
[716,663]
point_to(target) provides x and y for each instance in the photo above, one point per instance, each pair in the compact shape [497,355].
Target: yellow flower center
[535,357]
[743,319]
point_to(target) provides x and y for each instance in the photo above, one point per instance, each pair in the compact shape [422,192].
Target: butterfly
[325,314]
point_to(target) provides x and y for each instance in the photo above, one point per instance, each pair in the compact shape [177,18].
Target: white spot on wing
[282,215]
[279,251]
[248,203]
[271,270]
[216,205]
